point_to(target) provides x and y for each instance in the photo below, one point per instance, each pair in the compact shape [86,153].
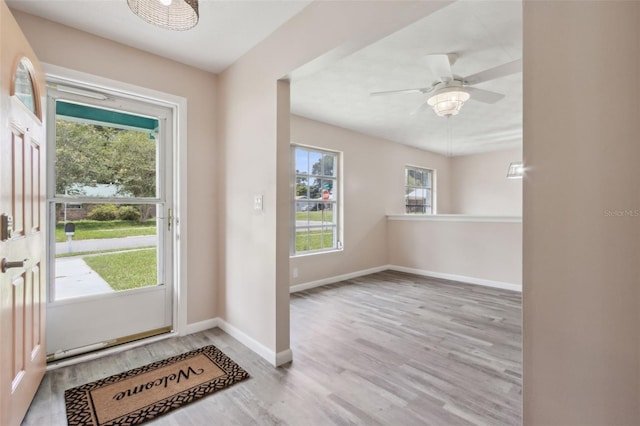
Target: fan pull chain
[449,153]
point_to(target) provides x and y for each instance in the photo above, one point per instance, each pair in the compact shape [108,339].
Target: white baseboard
[275,359]
[197,327]
[335,279]
[284,357]
[461,278]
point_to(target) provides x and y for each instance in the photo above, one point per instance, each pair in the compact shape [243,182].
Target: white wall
[59,45]
[479,184]
[373,179]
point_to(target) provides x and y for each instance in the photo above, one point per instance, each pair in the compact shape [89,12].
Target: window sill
[454,218]
[315,253]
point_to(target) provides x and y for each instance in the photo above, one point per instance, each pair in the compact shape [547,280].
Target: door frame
[178,105]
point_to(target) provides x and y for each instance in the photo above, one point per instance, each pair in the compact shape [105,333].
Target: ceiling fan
[450,92]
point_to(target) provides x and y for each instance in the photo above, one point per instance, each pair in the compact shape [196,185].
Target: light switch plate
[257,202]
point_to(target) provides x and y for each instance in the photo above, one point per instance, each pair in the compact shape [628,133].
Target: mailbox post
[70,230]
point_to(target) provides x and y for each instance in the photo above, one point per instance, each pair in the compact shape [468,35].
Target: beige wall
[254,137]
[479,184]
[62,46]
[373,187]
[581,250]
[470,250]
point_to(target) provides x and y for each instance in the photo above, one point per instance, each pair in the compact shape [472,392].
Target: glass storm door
[109,204]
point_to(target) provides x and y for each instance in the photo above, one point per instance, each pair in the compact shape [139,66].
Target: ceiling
[225,32]
[483,34]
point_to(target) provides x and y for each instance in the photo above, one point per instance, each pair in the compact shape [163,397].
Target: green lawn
[314,242]
[315,216]
[124,271]
[91,229]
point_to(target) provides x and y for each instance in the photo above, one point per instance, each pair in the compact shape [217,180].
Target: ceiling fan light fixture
[177,15]
[447,102]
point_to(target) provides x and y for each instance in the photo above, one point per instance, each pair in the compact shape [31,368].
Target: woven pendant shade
[178,15]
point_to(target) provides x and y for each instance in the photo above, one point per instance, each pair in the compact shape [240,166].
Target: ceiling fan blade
[482,95]
[422,107]
[493,73]
[391,92]
[440,67]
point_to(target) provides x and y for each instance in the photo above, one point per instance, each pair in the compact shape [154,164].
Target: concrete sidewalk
[74,278]
[106,244]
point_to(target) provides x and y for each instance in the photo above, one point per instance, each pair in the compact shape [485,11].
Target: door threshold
[99,350]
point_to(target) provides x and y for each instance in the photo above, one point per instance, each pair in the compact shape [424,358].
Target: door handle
[15,264]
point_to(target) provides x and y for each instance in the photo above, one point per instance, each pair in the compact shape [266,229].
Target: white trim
[109,351]
[454,218]
[306,286]
[275,359]
[284,357]
[461,278]
[197,327]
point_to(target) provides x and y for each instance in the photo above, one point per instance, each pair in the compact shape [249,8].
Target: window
[23,86]
[315,200]
[418,193]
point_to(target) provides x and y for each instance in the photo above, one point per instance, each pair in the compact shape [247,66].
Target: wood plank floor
[388,348]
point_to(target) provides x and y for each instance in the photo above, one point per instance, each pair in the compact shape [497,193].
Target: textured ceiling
[483,34]
[226,30]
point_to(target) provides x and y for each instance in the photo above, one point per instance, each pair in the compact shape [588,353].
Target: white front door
[23,261]
[110,203]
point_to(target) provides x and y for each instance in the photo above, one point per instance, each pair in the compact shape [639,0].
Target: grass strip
[95,229]
[128,270]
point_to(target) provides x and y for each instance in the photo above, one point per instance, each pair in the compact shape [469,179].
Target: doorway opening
[110,204]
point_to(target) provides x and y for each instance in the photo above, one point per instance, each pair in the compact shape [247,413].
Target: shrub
[128,213]
[104,212]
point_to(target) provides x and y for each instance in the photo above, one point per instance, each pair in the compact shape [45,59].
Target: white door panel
[76,323]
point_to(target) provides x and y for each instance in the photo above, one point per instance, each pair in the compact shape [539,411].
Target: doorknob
[7,264]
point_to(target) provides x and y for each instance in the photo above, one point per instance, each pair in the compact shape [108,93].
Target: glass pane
[103,248]
[302,161]
[329,164]
[328,213]
[315,160]
[327,238]
[94,160]
[302,214]
[315,188]
[327,191]
[24,87]
[302,188]
[302,241]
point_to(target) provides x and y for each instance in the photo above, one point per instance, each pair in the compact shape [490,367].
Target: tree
[81,151]
[324,167]
[92,154]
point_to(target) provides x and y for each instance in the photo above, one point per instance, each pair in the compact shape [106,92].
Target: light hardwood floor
[388,348]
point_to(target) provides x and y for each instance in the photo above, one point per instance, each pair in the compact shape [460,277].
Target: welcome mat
[149,391]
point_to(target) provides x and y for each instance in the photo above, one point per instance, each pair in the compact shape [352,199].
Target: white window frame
[336,200]
[432,190]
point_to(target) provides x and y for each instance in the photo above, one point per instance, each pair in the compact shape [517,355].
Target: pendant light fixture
[178,15]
